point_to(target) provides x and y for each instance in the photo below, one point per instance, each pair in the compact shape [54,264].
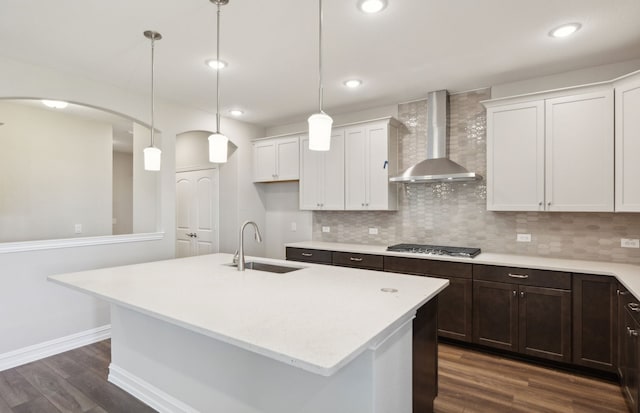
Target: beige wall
[55,173]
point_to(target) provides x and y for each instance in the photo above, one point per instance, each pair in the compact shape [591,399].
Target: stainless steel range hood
[437,167]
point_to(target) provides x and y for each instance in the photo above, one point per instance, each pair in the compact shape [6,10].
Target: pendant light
[152,155]
[320,123]
[217,141]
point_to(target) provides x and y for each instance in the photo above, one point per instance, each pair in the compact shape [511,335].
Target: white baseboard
[149,394]
[49,348]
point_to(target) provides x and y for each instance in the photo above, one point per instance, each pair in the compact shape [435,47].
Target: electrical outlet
[326,229]
[294,227]
[629,243]
[78,228]
[373,231]
[523,238]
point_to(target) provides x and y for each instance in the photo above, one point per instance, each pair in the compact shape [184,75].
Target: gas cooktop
[435,250]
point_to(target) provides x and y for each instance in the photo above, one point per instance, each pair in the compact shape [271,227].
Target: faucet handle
[235,258]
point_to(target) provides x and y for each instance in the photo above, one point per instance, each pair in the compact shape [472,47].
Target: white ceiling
[414,46]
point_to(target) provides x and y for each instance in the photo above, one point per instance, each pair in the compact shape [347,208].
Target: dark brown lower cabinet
[628,365]
[595,332]
[527,319]
[454,303]
[455,311]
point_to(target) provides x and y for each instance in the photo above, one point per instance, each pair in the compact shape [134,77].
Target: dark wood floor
[76,381]
[475,382]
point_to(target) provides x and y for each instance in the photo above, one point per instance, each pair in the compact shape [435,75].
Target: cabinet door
[311,170]
[355,168]
[495,315]
[595,321]
[630,360]
[333,173]
[264,161]
[579,152]
[378,186]
[515,157]
[287,159]
[545,323]
[627,110]
[455,309]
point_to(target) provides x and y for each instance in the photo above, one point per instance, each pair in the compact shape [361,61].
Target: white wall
[55,173]
[560,80]
[282,210]
[338,119]
[122,193]
[37,311]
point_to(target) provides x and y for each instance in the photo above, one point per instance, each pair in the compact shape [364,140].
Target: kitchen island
[194,334]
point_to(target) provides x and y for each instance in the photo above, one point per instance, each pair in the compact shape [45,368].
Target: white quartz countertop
[628,275]
[318,318]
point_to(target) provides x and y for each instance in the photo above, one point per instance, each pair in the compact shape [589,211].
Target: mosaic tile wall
[455,214]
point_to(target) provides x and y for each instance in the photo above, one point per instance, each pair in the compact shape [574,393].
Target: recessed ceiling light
[353,83]
[236,112]
[372,6]
[56,104]
[565,30]
[215,64]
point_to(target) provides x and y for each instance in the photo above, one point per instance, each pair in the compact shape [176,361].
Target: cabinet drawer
[309,255]
[523,276]
[351,259]
[420,266]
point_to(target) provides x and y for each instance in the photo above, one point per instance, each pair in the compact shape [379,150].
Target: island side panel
[425,357]
[177,370]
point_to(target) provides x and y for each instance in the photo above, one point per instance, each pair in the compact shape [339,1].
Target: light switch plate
[294,226]
[523,238]
[630,243]
[326,229]
[78,228]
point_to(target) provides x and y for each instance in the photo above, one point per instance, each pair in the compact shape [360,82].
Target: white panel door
[627,113]
[515,157]
[196,212]
[310,181]
[378,185]
[287,159]
[264,161]
[579,152]
[355,168]
[333,173]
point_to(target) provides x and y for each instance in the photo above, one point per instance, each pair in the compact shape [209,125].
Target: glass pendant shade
[218,148]
[152,156]
[320,132]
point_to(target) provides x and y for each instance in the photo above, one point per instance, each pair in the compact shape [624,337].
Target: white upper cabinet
[371,152]
[627,121]
[322,175]
[579,152]
[551,152]
[515,157]
[276,159]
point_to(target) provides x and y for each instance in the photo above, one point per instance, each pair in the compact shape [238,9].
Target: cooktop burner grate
[435,250]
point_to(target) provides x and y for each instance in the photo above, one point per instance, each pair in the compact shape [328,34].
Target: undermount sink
[261,266]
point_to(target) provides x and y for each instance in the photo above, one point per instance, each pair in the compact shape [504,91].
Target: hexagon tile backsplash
[455,214]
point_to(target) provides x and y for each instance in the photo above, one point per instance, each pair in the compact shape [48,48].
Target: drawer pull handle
[622,292]
[518,275]
[635,307]
[307,254]
[355,259]
[632,333]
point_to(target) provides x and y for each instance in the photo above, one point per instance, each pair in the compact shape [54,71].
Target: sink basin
[261,266]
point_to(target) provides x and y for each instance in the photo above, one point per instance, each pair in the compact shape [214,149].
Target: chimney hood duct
[437,167]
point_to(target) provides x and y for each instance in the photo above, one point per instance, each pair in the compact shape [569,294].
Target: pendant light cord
[218,72]
[152,89]
[320,89]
